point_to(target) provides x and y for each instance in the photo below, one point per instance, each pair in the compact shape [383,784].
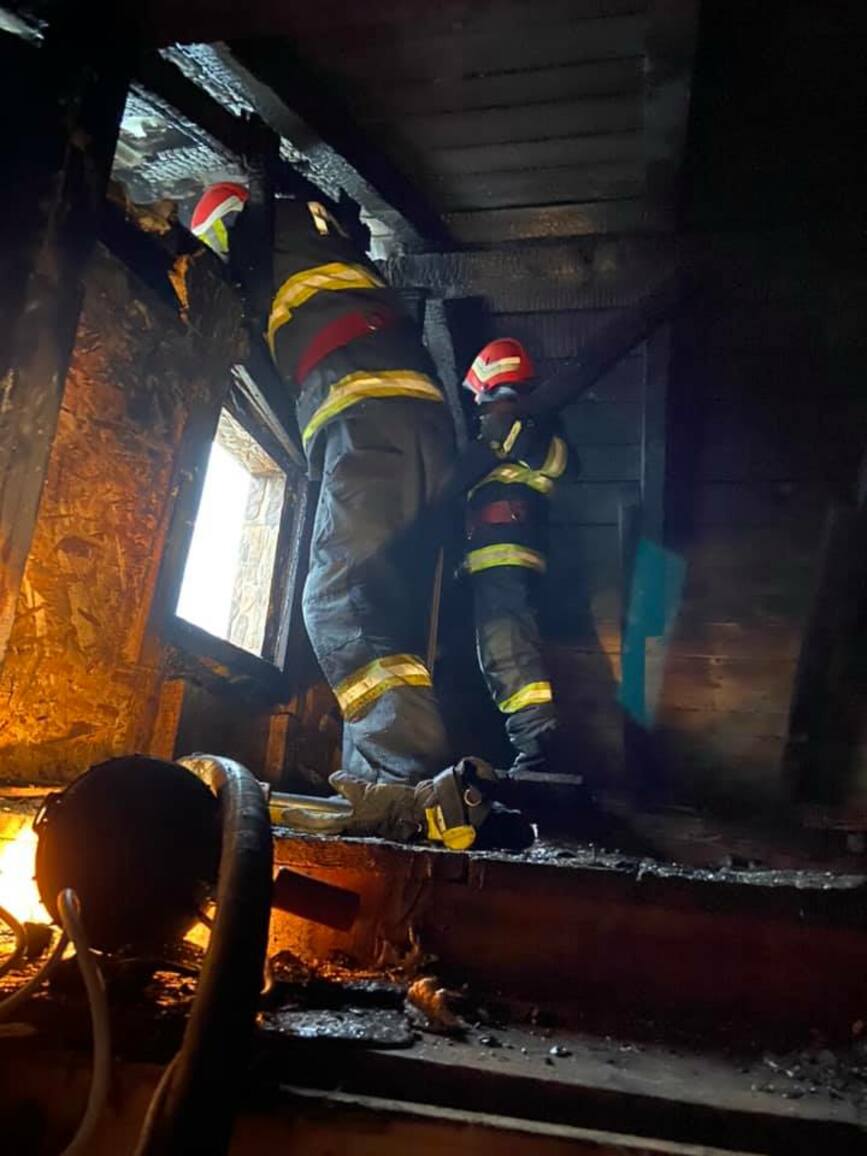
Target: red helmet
[216,210]
[502,364]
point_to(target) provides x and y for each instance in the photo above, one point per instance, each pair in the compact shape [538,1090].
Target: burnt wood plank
[579,220]
[418,55]
[383,17]
[564,277]
[494,90]
[560,118]
[69,96]
[517,156]
[596,182]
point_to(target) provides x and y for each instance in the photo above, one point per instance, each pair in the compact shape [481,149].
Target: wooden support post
[440,344]
[826,713]
[68,96]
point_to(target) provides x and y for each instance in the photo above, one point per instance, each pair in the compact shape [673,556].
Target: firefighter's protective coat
[377,433]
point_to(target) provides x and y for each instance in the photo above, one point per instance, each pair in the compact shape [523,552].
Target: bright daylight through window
[227,580]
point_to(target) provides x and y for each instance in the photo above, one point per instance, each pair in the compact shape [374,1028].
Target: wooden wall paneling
[69,94]
[83,671]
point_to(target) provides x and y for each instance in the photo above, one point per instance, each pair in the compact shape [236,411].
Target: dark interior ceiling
[504,119]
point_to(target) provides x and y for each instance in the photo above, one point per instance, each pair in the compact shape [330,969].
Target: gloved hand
[449,809]
[389,810]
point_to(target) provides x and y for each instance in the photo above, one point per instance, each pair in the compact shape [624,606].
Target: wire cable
[154,1108]
[14,1001]
[69,910]
[20,947]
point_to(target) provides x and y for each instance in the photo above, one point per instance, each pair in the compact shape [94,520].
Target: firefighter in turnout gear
[377,433]
[506,524]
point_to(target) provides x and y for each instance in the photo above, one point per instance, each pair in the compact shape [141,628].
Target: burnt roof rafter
[266,78]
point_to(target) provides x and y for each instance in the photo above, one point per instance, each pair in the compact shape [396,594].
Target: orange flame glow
[18,892]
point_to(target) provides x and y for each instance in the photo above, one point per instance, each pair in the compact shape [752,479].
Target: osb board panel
[79,684]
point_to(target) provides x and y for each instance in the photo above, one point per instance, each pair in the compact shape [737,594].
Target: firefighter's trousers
[368,592]
[510,655]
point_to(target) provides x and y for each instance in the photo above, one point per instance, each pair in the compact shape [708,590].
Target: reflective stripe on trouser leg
[360,690]
[504,554]
[530,694]
[364,599]
[510,653]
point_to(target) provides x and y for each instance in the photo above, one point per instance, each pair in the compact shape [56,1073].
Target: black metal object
[136,838]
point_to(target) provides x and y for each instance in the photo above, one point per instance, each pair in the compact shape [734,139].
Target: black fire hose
[195,1108]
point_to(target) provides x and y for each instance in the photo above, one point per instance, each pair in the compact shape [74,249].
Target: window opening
[228,576]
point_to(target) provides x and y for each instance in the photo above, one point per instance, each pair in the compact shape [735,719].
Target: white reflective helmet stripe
[485,370]
[231,204]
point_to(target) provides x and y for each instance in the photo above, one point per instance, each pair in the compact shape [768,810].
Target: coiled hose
[194,1108]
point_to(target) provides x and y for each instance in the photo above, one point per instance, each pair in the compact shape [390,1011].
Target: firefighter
[506,524]
[377,433]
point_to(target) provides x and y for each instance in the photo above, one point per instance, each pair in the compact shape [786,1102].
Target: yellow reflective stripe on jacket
[504,554]
[356,387]
[555,460]
[300,287]
[364,686]
[511,473]
[532,694]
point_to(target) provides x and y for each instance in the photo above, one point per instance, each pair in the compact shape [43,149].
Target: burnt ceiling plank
[514,156]
[68,95]
[212,20]
[295,103]
[492,227]
[560,118]
[499,47]
[591,78]
[378,16]
[567,184]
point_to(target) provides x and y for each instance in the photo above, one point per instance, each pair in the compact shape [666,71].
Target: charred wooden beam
[68,94]
[586,273]
[494,226]
[440,344]
[269,78]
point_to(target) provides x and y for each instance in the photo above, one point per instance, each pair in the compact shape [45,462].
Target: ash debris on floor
[333,1006]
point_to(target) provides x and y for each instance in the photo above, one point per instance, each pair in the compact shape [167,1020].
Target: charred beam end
[69,95]
[584,273]
[299,105]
